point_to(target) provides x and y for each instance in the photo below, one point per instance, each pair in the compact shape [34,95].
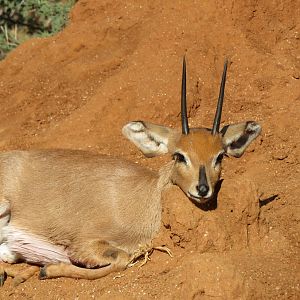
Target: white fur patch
[253,126]
[32,248]
[135,126]
[6,255]
[149,142]
[4,217]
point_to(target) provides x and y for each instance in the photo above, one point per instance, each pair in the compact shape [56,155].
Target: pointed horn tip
[218,114]
[184,117]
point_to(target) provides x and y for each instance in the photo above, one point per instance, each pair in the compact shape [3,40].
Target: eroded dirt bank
[118,62]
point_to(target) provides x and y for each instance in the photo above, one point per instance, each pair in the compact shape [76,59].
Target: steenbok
[83,215]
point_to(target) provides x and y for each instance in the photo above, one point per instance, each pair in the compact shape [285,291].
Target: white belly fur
[31,248]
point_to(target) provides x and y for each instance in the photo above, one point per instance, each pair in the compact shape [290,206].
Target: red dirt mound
[117,62]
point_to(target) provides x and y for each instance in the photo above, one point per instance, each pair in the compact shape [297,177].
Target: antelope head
[198,152]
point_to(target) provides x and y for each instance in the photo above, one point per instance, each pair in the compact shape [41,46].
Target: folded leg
[95,258]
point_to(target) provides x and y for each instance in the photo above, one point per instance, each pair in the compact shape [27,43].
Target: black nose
[202,189]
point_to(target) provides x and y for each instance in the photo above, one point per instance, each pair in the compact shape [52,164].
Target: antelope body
[83,215]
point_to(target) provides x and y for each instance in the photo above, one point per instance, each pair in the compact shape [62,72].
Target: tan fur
[59,193]
[72,198]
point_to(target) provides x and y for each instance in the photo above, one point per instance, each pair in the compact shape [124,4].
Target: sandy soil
[117,62]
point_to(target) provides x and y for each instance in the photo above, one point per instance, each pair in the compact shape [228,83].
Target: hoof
[43,273]
[3,277]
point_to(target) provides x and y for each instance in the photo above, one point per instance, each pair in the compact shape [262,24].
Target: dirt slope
[117,62]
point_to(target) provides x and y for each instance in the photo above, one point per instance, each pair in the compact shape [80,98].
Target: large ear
[237,137]
[151,139]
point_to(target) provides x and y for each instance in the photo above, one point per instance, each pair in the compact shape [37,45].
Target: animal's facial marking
[198,158]
[179,157]
[217,161]
[203,187]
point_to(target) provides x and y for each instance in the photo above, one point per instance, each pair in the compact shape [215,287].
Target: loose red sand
[120,62]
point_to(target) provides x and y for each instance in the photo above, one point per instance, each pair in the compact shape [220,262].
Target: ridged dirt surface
[118,61]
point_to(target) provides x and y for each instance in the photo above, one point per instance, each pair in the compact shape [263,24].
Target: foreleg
[19,277]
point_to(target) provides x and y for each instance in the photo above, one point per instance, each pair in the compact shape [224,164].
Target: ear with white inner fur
[237,137]
[151,139]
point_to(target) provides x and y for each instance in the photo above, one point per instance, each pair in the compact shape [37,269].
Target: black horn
[218,114]
[184,118]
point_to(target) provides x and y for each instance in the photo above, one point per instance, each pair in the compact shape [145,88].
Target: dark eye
[179,157]
[219,159]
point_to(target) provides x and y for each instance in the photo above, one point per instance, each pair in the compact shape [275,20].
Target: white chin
[199,199]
